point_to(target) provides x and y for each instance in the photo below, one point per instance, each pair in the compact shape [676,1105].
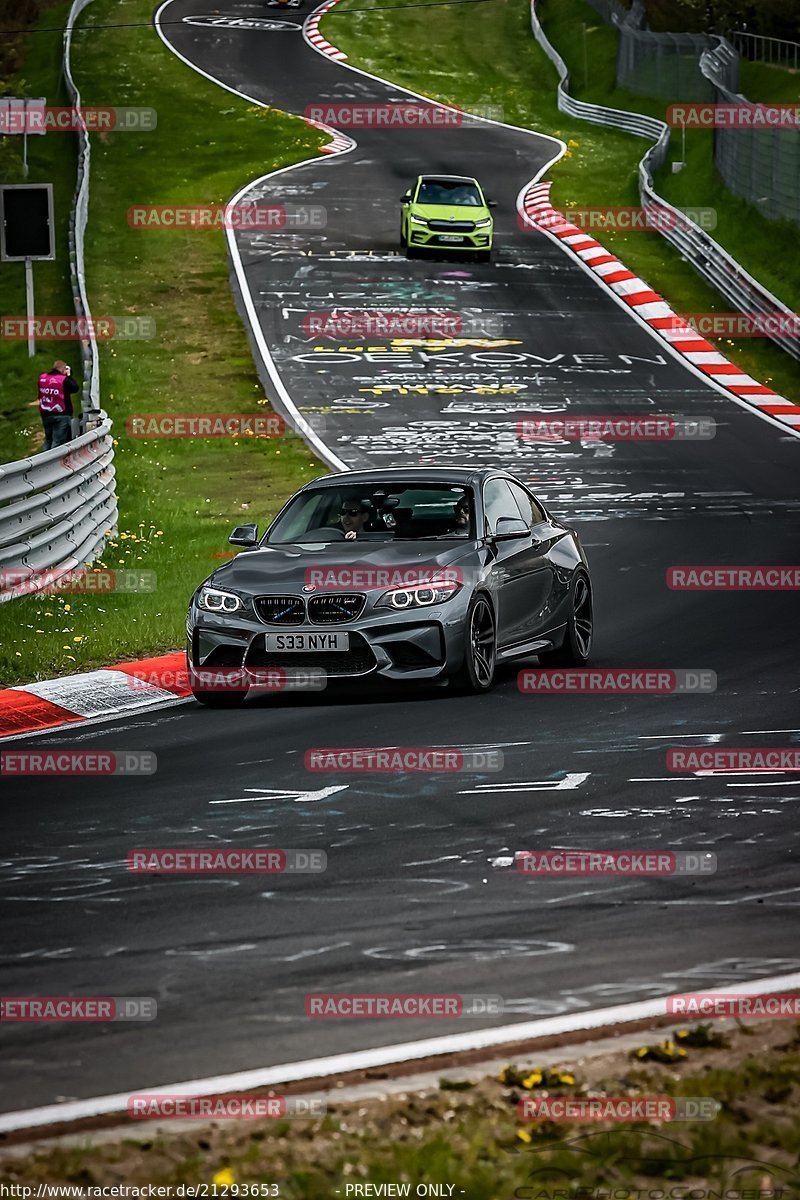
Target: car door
[547,591]
[520,570]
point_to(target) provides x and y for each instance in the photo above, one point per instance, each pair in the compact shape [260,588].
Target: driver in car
[461,516]
[353,517]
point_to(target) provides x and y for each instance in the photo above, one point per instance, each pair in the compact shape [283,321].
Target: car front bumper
[416,644]
[478,239]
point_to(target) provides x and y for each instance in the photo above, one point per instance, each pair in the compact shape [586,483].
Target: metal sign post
[29,306]
[27,233]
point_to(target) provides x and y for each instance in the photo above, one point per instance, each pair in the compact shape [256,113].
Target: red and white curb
[340,143]
[384,1056]
[535,209]
[127,687]
[312,34]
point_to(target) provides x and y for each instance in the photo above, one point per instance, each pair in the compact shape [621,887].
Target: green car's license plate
[451,237]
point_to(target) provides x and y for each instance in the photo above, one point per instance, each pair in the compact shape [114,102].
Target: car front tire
[574,651]
[480,647]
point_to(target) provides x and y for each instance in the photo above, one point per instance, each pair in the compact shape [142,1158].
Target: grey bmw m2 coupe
[401,574]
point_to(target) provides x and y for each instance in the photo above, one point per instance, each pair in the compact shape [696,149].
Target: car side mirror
[510,527]
[405,199]
[491,204]
[244,535]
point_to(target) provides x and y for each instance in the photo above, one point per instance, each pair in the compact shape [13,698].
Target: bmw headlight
[419,596]
[418,220]
[216,601]
[483,223]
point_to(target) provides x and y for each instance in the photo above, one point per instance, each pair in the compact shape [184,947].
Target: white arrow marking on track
[285,794]
[569,783]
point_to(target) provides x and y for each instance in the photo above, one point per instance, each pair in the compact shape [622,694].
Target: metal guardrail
[58,508]
[78,218]
[707,256]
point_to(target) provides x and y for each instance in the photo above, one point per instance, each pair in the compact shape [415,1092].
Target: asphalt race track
[411,900]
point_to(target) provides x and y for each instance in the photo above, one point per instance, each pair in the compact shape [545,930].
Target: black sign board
[26,222]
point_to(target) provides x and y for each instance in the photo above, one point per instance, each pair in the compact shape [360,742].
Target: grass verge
[178,498]
[493,58]
[466,1135]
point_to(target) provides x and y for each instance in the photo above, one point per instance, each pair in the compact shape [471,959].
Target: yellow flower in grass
[224,1178]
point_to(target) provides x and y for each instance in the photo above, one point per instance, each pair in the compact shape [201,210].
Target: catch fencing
[775,51]
[708,258]
[762,165]
[58,508]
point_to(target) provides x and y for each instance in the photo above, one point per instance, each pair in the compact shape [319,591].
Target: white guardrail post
[58,508]
[707,256]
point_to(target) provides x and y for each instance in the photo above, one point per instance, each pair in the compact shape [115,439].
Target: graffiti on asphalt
[241,23]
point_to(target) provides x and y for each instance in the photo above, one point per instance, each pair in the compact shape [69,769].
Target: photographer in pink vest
[56,389]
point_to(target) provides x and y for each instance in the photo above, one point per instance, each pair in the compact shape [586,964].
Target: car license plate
[306,643]
[451,237]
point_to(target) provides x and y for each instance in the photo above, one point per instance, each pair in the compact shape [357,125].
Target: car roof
[449,178]
[455,475]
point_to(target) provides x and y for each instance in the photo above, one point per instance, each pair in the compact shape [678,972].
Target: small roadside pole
[587,29]
[27,235]
[585,57]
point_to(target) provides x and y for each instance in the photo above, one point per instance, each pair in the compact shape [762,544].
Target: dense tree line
[772,18]
[16,16]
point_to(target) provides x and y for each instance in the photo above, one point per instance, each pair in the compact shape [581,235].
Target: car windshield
[449,191]
[371,511]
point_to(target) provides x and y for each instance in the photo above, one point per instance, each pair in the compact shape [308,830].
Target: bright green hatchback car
[446,212]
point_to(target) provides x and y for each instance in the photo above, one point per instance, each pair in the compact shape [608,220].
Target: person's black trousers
[57,429]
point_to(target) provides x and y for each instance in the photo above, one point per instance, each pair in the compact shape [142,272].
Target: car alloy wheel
[480,651]
[577,645]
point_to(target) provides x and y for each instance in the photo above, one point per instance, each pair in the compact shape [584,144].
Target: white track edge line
[308,434]
[339,1064]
